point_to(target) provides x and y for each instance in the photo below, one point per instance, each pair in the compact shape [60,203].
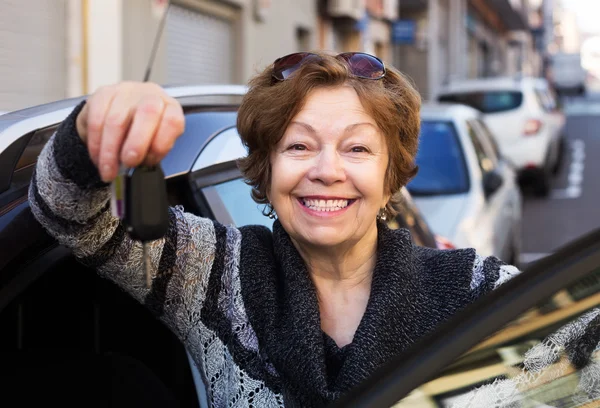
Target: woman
[296,316]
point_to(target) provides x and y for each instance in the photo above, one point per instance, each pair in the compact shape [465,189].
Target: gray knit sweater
[241,300]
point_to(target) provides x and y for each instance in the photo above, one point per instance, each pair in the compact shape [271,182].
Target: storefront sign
[404,31]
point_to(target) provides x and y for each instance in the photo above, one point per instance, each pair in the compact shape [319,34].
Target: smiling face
[328,171]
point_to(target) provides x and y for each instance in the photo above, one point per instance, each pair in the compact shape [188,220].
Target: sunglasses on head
[361,65]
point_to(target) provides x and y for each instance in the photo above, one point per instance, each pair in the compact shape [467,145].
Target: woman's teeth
[325,205]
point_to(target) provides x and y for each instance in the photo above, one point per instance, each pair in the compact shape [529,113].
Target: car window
[486,163]
[442,166]
[487,135]
[487,140]
[548,356]
[34,147]
[21,172]
[235,196]
[486,101]
[410,218]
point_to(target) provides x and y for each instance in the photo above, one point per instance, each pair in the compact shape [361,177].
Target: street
[571,210]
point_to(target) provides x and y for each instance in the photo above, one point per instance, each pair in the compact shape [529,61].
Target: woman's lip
[324,198]
[326,214]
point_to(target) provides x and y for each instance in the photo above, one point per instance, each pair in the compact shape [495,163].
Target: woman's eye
[297,147]
[359,149]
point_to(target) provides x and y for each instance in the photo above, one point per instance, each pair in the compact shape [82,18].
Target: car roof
[447,111]
[200,128]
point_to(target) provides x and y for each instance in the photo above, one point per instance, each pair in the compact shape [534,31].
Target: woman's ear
[386,200]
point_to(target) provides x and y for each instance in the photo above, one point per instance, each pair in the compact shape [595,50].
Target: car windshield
[486,101]
[442,168]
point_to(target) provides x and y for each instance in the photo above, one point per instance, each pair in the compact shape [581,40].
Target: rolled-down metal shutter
[200,48]
[32,52]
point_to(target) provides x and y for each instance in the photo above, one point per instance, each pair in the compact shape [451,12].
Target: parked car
[567,74]
[464,187]
[59,320]
[522,115]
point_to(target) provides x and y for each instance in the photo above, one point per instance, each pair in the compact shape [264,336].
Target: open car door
[533,342]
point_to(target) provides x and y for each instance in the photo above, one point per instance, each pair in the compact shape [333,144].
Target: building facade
[61,48]
[457,39]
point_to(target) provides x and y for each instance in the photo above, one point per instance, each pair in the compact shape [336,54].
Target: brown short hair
[269,106]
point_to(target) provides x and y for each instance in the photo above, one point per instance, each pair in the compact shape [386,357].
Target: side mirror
[491,182]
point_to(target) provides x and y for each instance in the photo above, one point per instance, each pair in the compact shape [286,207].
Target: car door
[509,194]
[60,321]
[494,218]
[532,342]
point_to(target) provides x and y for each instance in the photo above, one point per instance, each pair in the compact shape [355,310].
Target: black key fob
[146,215]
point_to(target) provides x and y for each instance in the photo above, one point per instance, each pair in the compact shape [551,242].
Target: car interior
[76,339]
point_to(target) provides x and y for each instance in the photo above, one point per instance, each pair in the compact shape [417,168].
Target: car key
[144,208]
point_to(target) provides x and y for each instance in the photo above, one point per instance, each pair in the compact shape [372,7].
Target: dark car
[63,327]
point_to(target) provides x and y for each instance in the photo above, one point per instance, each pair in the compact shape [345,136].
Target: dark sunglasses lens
[286,66]
[364,65]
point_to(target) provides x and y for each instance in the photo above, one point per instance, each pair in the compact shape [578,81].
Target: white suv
[522,114]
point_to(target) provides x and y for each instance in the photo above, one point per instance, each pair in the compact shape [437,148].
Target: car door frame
[421,362]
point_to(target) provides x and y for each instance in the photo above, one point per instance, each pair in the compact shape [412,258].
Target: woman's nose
[328,168]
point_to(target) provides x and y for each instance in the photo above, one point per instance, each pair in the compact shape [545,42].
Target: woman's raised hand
[130,123]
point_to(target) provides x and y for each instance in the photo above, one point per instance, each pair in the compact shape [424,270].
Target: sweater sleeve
[71,202]
[489,273]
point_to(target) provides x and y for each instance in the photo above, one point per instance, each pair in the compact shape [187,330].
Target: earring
[270,212]
[382,215]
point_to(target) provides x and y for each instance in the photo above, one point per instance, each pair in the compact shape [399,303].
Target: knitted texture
[241,300]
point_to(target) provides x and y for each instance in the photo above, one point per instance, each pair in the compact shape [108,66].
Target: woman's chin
[324,236]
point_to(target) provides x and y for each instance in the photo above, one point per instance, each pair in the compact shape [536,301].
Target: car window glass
[23,170]
[225,147]
[485,162]
[548,356]
[486,101]
[410,218]
[442,167]
[34,147]
[487,140]
[491,137]
[237,199]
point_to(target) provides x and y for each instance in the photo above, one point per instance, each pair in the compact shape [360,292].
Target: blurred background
[51,49]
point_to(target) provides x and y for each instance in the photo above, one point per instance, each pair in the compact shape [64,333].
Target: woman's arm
[70,200]
[489,273]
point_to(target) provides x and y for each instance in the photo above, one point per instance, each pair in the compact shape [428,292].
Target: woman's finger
[172,125]
[116,125]
[96,109]
[144,125]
